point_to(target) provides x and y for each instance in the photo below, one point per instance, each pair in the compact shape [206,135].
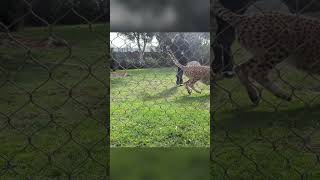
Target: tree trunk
[141,51]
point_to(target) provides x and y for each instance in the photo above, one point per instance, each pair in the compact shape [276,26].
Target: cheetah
[271,38]
[195,72]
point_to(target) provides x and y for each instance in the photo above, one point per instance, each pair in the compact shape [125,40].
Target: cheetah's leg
[191,84]
[186,84]
[258,69]
[243,75]
[267,83]
[266,63]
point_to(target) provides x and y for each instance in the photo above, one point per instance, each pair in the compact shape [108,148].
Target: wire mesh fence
[150,107]
[276,139]
[54,89]
[54,63]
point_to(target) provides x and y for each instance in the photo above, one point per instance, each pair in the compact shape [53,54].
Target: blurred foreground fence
[54,90]
[277,139]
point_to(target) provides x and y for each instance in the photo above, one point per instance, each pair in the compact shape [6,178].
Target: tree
[194,45]
[165,40]
[104,10]
[53,10]
[47,10]
[87,8]
[141,39]
[11,14]
[199,46]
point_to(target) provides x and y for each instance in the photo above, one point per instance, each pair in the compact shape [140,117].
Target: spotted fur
[195,72]
[271,38]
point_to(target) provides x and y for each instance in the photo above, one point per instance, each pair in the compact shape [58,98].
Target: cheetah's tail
[225,14]
[175,61]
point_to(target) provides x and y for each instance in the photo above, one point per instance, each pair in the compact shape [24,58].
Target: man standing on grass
[180,47]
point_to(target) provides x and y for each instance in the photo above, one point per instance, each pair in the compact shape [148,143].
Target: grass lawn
[53,105]
[276,140]
[148,110]
[159,163]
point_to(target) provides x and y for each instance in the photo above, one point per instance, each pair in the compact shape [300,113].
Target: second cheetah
[271,38]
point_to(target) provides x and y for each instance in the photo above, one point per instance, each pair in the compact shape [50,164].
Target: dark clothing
[182,60]
[180,48]
[225,36]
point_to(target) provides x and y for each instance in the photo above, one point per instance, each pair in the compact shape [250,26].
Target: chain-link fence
[53,89]
[276,139]
[150,107]
[54,95]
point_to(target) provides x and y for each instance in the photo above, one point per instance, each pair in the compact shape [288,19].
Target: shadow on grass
[192,99]
[294,118]
[118,82]
[161,95]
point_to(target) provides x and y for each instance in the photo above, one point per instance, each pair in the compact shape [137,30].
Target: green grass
[159,163]
[53,105]
[275,140]
[148,110]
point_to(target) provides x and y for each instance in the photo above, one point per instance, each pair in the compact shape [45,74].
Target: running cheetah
[195,72]
[271,38]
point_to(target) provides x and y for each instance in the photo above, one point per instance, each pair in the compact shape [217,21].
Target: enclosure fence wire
[275,140]
[54,89]
[150,106]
